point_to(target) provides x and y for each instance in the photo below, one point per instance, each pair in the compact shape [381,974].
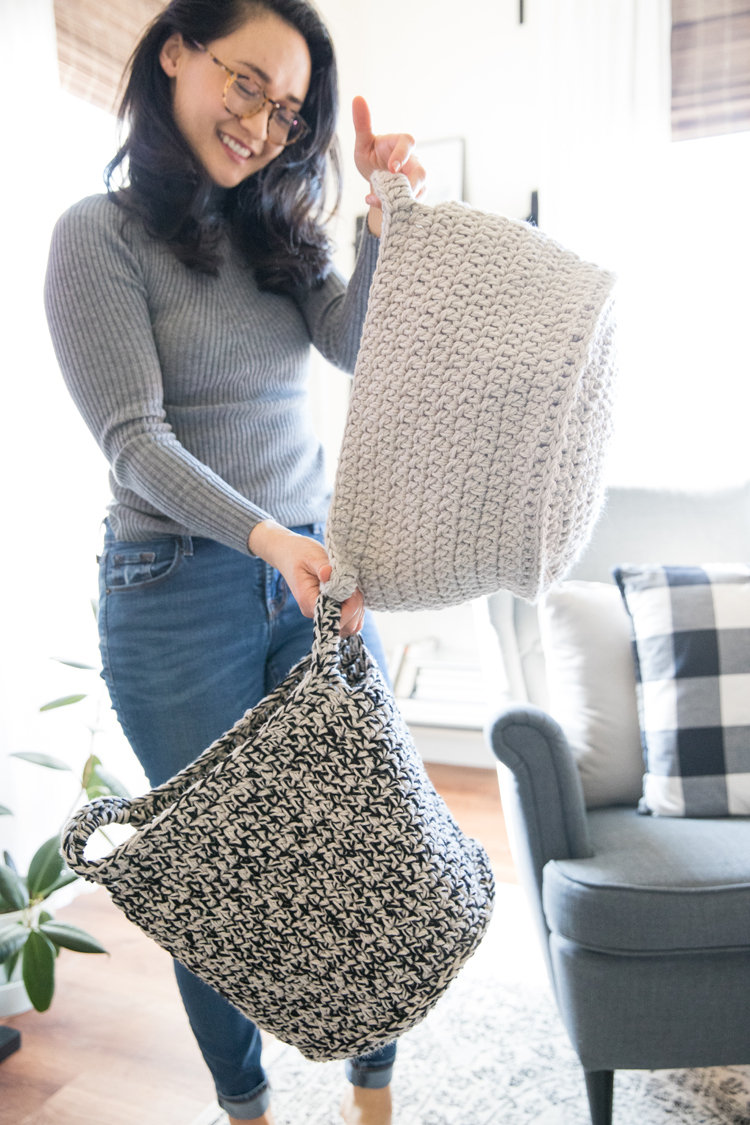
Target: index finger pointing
[361,116]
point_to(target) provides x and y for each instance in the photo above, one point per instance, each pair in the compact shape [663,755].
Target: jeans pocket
[136,566]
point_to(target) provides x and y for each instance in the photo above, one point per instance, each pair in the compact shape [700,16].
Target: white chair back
[636,525]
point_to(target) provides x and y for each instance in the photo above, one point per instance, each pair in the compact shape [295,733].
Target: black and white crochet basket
[303,865]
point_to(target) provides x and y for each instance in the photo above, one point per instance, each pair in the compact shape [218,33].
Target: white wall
[684,395]
[436,71]
[54,478]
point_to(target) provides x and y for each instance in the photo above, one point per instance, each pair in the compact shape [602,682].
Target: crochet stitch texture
[304,866]
[480,412]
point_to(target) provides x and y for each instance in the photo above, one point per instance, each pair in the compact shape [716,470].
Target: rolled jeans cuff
[247,1106]
[371,1077]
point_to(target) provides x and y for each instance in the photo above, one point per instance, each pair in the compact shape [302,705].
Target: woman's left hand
[391,152]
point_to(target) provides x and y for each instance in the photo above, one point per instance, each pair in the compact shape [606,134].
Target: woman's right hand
[305,565]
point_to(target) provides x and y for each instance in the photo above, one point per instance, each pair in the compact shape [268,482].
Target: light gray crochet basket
[480,412]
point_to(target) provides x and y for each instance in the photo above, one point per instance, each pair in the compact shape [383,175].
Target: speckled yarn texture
[480,413]
[304,866]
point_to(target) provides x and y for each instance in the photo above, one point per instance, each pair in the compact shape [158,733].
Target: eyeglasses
[243,97]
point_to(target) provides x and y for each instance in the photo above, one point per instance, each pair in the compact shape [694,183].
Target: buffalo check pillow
[691,644]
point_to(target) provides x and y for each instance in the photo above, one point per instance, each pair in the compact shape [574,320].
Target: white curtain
[54,485]
[671,219]
[604,79]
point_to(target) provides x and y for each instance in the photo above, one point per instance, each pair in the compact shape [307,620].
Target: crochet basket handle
[394,192]
[334,658]
[325,649]
[98,814]
[138,811]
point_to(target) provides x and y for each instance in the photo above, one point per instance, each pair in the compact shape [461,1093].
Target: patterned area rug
[494,1052]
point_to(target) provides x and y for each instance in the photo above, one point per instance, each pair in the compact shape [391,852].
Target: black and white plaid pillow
[691,640]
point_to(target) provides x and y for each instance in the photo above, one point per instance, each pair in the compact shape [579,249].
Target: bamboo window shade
[710,68]
[95,39]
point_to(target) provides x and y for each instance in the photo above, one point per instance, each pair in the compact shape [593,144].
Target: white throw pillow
[587,648]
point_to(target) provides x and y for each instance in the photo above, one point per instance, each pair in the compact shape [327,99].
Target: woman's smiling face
[266,49]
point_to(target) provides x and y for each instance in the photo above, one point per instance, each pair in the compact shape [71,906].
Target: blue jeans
[192,634]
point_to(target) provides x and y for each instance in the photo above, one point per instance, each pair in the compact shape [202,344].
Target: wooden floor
[115,1047]
[473,797]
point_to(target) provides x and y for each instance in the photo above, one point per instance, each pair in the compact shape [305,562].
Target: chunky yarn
[480,412]
[303,866]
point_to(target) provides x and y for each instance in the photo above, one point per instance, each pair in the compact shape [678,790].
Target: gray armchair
[644,921]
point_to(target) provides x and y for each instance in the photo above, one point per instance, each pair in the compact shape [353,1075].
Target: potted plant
[30,938]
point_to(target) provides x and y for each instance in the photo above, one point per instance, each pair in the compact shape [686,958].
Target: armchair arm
[542,797]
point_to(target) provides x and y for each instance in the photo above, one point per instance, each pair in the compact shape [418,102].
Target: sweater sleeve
[335,313]
[99,320]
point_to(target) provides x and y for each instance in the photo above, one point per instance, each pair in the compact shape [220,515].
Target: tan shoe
[266,1119]
[361,1106]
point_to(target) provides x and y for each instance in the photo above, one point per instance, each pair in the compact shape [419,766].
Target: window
[94,41]
[710,68]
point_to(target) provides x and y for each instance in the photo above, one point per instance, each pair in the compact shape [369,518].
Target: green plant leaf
[41,760]
[39,970]
[12,938]
[8,860]
[111,783]
[91,763]
[63,880]
[12,890]
[99,782]
[11,963]
[74,664]
[5,811]
[44,916]
[44,867]
[70,937]
[64,701]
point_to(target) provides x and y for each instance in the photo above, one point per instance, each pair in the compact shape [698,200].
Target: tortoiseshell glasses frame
[240,91]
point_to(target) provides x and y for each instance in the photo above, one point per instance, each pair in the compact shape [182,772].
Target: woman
[182,309]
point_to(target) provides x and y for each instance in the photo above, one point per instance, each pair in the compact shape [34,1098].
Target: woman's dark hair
[276,215]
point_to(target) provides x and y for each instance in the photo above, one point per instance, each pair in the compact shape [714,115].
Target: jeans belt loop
[186,544]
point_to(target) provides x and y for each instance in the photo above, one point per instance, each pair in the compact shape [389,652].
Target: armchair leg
[600,1087]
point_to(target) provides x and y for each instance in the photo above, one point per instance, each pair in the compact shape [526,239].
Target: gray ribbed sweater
[194,387]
